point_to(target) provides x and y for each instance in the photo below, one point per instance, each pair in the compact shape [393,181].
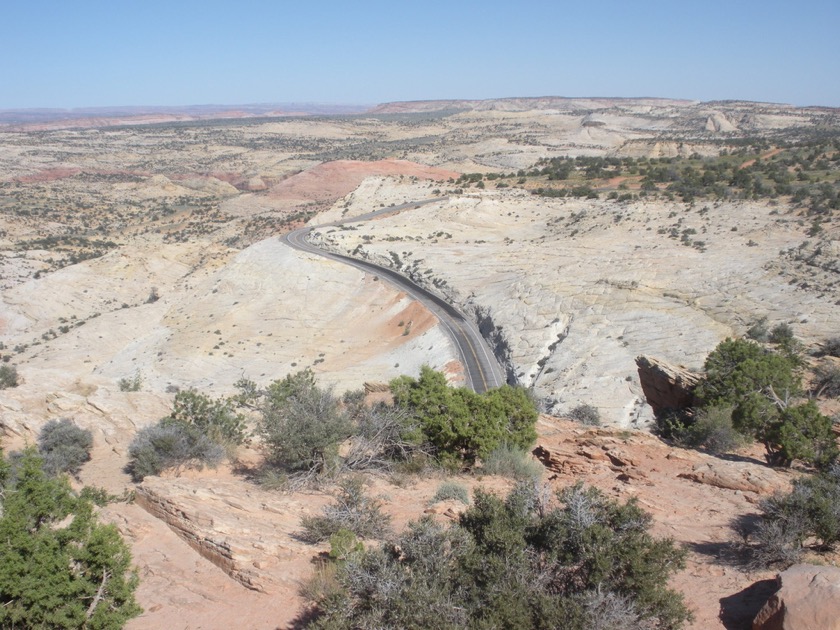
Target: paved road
[482,371]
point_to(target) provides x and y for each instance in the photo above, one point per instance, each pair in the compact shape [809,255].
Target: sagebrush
[581,562]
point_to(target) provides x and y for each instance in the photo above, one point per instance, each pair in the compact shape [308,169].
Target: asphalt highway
[482,370]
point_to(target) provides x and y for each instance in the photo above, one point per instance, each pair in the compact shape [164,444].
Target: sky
[89,53]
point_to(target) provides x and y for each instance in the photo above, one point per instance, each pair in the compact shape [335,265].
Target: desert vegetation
[806,172]
[142,278]
[576,560]
[303,425]
[59,567]
[463,425]
[750,391]
[8,376]
[64,447]
[807,519]
[199,432]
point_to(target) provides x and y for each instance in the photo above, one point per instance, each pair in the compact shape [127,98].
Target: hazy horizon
[104,54]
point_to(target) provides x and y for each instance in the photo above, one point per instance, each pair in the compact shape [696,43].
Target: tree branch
[99,593]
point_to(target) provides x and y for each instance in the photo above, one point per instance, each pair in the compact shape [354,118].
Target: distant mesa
[35,119]
[713,116]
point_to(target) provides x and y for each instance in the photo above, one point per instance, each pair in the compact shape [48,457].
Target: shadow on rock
[738,611]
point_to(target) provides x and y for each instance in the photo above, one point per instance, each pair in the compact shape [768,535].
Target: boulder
[666,386]
[733,476]
[808,599]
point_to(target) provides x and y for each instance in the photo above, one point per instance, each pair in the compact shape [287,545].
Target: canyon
[149,248]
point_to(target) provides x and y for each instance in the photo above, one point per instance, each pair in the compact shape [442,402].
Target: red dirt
[769,154]
[49,175]
[333,180]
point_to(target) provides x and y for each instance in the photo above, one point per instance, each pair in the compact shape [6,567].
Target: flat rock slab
[247,532]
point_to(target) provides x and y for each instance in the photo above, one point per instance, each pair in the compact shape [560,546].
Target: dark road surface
[482,371]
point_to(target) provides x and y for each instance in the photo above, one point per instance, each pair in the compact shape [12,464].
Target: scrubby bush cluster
[199,432]
[217,419]
[132,384]
[831,347]
[451,491]
[586,414]
[8,376]
[64,447]
[302,425]
[512,462]
[712,429]
[753,392]
[809,515]
[59,568]
[581,562]
[353,511]
[165,445]
[827,381]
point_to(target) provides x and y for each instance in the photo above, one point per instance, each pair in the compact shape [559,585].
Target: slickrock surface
[261,314]
[579,288]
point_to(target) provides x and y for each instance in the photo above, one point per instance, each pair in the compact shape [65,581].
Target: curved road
[481,369]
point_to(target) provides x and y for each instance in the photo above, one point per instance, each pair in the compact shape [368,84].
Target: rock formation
[666,386]
[808,599]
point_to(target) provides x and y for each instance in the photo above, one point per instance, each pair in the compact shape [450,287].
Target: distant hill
[127,115]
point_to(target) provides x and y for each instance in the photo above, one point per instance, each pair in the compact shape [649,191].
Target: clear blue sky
[59,53]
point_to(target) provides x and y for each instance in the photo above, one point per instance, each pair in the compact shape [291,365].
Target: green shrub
[761,387]
[344,544]
[215,419]
[8,376]
[168,445]
[132,384]
[586,414]
[802,433]
[672,424]
[353,511]
[59,567]
[101,497]
[584,562]
[463,425]
[451,491]
[302,425]
[64,447]
[739,368]
[512,462]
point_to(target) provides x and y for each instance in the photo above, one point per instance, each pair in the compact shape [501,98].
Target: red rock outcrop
[331,180]
[666,386]
[808,599]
